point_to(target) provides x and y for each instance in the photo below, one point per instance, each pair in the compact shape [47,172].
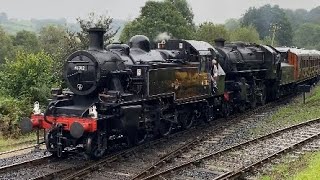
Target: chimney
[96,38]
[219,42]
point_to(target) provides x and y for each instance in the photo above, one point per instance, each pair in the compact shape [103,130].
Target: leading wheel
[51,143]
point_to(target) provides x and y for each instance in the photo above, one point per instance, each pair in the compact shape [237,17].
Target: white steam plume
[162,36]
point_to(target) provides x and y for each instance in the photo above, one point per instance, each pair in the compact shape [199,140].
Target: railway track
[77,171]
[20,165]
[15,151]
[89,166]
[214,128]
[232,162]
[211,137]
[23,146]
[26,168]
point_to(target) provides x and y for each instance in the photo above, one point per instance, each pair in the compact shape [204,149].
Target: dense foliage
[268,19]
[209,32]
[6,46]
[308,36]
[159,17]
[292,27]
[28,76]
[31,64]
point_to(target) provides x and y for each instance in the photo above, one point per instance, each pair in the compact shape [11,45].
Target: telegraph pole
[274,28]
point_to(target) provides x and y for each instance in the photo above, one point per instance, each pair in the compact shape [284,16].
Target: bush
[11,111]
[28,77]
[24,79]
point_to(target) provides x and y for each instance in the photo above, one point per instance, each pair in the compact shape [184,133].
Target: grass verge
[7,144]
[308,165]
[292,113]
[304,168]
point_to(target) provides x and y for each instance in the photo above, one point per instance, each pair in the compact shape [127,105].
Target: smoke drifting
[162,36]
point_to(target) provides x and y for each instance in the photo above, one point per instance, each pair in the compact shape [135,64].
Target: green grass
[312,170]
[304,168]
[308,165]
[293,113]
[297,111]
[8,144]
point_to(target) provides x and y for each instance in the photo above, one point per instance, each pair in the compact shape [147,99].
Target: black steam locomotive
[129,93]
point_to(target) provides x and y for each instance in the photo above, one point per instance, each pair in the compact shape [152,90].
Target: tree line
[258,25]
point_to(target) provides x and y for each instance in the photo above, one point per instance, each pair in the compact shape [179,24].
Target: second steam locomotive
[129,93]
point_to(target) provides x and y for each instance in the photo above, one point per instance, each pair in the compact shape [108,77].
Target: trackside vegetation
[31,64]
[307,166]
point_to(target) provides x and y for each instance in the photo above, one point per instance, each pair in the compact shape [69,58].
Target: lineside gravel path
[232,162]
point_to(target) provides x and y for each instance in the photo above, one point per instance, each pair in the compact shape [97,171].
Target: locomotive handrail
[78,62]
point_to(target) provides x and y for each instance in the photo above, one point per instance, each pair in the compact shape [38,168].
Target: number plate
[80,68]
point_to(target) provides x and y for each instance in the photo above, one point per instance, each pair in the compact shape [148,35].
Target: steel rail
[74,172]
[20,149]
[233,174]
[24,164]
[179,150]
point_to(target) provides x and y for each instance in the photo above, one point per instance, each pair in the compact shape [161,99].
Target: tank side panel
[185,82]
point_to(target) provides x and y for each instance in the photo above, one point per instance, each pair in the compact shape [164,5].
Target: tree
[246,34]
[266,16]
[156,18]
[268,41]
[209,32]
[54,40]
[27,41]
[308,36]
[314,15]
[91,21]
[6,46]
[296,17]
[28,76]
[184,8]
[232,24]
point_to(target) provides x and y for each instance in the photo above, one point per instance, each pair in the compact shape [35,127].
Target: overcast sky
[216,11]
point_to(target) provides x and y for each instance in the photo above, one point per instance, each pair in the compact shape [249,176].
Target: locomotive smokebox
[219,42]
[96,41]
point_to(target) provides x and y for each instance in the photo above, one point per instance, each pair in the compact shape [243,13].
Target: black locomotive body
[129,93]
